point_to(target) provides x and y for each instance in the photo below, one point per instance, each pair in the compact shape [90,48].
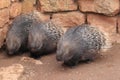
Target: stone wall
[101,13]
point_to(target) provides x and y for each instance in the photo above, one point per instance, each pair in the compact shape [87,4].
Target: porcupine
[43,38]
[82,43]
[17,36]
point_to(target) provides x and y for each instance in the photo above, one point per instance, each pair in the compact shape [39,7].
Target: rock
[12,72]
[30,6]
[15,0]
[31,60]
[28,73]
[3,32]
[57,5]
[104,23]
[86,5]
[117,38]
[15,9]
[107,7]
[41,16]
[69,19]
[4,3]
[4,17]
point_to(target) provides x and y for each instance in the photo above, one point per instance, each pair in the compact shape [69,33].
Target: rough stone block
[4,17]
[4,3]
[69,19]
[15,9]
[104,23]
[106,7]
[57,5]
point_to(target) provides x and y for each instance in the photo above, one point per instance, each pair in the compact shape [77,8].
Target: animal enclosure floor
[105,68]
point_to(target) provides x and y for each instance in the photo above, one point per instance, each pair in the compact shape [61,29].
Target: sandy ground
[105,68]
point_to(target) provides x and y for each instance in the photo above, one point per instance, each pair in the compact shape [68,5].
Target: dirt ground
[105,68]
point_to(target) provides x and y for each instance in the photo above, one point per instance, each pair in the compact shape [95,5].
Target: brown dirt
[105,68]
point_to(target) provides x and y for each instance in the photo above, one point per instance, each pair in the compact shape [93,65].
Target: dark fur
[17,35]
[43,38]
[79,43]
